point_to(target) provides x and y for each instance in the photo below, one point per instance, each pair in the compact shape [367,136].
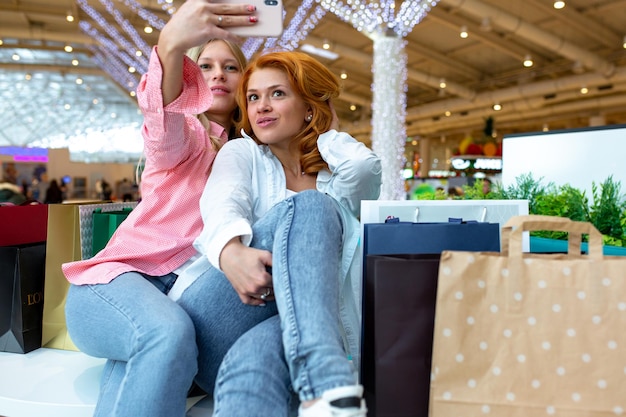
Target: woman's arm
[227,208]
[356,172]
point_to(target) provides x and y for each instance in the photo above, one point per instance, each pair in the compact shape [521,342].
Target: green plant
[564,201]
[607,212]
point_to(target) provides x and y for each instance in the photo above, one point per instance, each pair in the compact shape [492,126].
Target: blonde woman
[117,306]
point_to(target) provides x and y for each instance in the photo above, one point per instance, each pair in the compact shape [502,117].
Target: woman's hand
[197,21]
[246,269]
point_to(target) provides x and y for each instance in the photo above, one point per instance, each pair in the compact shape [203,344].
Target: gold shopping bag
[63,245]
[70,230]
[520,334]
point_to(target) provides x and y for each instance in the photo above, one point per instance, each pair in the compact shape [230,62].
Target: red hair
[314,83]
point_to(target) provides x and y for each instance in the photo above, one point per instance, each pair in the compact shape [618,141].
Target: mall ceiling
[578,76]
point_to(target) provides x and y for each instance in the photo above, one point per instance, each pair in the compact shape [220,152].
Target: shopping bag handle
[483,215]
[511,235]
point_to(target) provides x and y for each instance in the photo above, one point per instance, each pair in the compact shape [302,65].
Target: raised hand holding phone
[269,14]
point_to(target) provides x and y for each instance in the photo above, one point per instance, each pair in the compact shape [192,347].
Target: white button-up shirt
[247,180]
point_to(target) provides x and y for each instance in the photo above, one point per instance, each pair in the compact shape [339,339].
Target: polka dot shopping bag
[522,334]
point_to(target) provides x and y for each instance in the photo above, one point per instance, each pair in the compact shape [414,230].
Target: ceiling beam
[581,22]
[532,33]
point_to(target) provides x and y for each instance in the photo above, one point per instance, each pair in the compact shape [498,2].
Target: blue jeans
[148,339]
[304,234]
[256,360]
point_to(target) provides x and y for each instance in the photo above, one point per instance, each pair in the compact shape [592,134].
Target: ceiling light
[79,81]
[69,17]
[352,107]
[326,44]
[584,90]
[68,48]
[497,107]
[75,62]
[463,33]
[1,42]
[545,127]
[138,53]
[343,75]
[442,83]
[448,113]
[559,4]
[148,29]
[15,57]
[319,51]
[528,61]
[28,77]
[131,69]
[623,43]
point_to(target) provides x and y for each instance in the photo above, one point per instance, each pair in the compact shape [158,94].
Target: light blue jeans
[256,360]
[304,234]
[148,339]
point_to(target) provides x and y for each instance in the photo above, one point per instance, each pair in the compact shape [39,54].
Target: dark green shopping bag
[104,225]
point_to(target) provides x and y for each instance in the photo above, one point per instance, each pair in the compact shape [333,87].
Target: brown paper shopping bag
[519,334]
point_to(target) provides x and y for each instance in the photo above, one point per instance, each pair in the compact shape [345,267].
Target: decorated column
[389,111]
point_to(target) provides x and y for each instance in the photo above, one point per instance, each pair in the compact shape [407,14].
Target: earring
[309,117]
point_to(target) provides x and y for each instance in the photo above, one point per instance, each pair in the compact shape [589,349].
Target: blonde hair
[194,54]
[310,79]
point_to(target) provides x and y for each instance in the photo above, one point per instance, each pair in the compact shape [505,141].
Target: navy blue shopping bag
[401,264]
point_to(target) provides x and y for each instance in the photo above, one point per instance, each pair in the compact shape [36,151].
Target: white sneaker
[338,402]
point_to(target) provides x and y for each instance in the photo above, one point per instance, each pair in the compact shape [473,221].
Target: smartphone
[270,14]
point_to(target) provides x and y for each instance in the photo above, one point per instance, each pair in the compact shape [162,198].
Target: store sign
[22,154]
[479,164]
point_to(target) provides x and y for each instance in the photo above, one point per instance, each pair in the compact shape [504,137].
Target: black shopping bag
[399,295]
[22,271]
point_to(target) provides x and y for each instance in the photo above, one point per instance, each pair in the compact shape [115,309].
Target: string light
[380,17]
[127,26]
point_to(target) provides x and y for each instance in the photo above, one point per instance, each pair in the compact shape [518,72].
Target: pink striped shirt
[157,236]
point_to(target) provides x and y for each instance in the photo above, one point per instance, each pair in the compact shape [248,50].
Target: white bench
[59,383]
